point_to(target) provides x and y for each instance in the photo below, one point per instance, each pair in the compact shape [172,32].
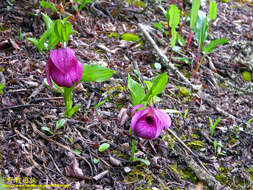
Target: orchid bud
[63,68]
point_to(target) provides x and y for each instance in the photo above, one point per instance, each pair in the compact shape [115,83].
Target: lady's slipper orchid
[63,68]
[148,123]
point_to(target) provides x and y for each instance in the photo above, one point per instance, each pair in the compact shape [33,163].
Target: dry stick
[202,174]
[188,83]
[37,131]
[165,59]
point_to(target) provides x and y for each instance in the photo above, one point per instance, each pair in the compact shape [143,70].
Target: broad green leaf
[103,147]
[53,41]
[60,123]
[247,76]
[201,28]
[212,14]
[96,73]
[35,42]
[194,12]
[49,23]
[136,90]
[158,86]
[63,29]
[174,16]
[2,86]
[173,38]
[181,39]
[147,162]
[47,5]
[210,47]
[130,37]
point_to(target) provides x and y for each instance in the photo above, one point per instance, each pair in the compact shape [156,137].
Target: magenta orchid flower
[63,68]
[149,122]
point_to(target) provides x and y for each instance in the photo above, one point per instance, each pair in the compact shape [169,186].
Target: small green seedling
[213,125]
[185,113]
[96,160]
[103,147]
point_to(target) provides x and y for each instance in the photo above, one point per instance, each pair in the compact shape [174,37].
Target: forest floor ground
[70,155]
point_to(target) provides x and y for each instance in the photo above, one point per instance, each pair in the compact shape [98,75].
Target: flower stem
[133,150]
[68,100]
[133,146]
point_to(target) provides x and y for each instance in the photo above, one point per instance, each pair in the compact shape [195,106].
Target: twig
[165,59]
[37,91]
[61,145]
[25,105]
[200,173]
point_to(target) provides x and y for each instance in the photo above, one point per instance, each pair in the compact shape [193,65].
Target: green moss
[140,172]
[197,144]
[222,178]
[183,137]
[169,140]
[195,136]
[119,154]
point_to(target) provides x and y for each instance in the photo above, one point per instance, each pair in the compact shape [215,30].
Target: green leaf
[85,2]
[194,12]
[217,121]
[53,41]
[69,139]
[60,123]
[2,86]
[63,29]
[158,26]
[247,76]
[103,147]
[212,14]
[130,37]
[96,73]
[158,86]
[201,28]
[173,38]
[47,129]
[147,162]
[136,90]
[77,151]
[165,13]
[96,160]
[210,47]
[174,16]
[47,5]
[49,23]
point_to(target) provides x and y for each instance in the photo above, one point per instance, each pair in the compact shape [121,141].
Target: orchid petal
[137,116]
[165,118]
